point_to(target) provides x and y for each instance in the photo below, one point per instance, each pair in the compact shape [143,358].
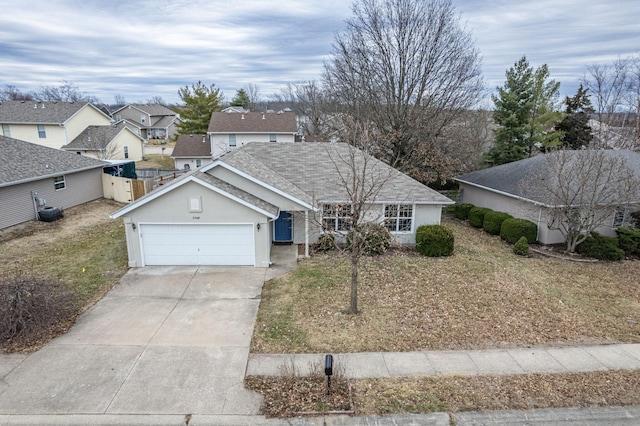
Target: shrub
[600,247]
[521,247]
[30,307]
[629,240]
[476,216]
[493,222]
[326,242]
[434,240]
[377,239]
[513,229]
[462,210]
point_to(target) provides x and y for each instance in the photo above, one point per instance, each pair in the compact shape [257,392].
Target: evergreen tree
[525,112]
[575,125]
[200,101]
[241,99]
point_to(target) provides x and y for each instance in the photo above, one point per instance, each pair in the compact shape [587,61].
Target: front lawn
[483,296]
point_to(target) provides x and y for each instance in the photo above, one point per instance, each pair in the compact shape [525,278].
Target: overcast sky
[145,48]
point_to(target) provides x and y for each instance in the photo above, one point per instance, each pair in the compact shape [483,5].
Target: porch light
[258,226]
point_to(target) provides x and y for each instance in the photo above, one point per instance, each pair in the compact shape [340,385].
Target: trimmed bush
[462,211]
[434,240]
[377,239]
[521,247]
[493,222]
[600,247]
[513,229]
[326,242]
[476,216]
[629,240]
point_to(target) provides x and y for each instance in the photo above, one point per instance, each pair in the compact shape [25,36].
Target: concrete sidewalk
[450,363]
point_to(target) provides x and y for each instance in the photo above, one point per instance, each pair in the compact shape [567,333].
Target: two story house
[50,124]
[228,130]
[152,121]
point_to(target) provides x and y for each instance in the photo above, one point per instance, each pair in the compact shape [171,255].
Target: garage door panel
[213,244]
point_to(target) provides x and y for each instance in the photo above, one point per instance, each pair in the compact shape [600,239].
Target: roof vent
[42,106]
[263,115]
[35,105]
[204,139]
[242,117]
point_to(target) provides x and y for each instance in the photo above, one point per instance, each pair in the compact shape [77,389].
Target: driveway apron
[165,340]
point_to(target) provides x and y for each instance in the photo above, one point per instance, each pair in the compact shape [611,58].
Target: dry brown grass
[482,297]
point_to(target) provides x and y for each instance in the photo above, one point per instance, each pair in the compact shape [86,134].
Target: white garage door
[197,244]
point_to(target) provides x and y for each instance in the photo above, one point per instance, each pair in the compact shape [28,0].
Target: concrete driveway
[165,340]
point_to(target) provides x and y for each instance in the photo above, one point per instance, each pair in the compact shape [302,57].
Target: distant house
[113,142]
[33,176]
[191,151]
[50,124]
[499,188]
[153,121]
[228,130]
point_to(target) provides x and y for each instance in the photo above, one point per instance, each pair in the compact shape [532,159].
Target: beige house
[231,211]
[50,124]
[229,130]
[113,142]
[152,121]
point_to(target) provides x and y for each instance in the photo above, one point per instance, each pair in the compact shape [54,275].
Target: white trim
[288,196]
[184,181]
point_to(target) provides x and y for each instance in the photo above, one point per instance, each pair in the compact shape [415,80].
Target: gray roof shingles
[190,146]
[23,161]
[33,112]
[95,138]
[253,122]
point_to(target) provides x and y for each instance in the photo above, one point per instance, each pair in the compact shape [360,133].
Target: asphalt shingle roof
[38,112]
[237,192]
[95,137]
[23,161]
[316,170]
[151,109]
[192,146]
[253,122]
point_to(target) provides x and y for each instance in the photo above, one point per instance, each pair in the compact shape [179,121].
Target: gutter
[51,175]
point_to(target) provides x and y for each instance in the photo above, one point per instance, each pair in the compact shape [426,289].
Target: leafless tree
[157,100]
[615,93]
[409,67]
[582,190]
[312,103]
[66,92]
[255,97]
[12,93]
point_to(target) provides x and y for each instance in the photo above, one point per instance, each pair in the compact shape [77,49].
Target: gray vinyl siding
[16,205]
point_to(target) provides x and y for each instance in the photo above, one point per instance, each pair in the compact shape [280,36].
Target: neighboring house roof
[151,109]
[253,122]
[191,146]
[164,121]
[97,138]
[22,161]
[506,178]
[316,170]
[32,112]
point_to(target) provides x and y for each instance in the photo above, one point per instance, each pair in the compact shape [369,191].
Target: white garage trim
[222,244]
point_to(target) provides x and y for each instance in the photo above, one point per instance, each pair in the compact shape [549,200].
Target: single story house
[33,177]
[112,142]
[228,130]
[191,152]
[50,124]
[500,188]
[231,211]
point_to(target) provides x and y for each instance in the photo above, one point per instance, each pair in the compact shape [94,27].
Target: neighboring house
[499,189]
[191,152]
[228,130]
[154,121]
[231,211]
[113,142]
[33,176]
[50,124]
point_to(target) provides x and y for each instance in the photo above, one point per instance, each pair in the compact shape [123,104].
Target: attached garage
[197,244]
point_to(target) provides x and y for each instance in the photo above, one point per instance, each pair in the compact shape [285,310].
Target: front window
[232,140]
[42,133]
[619,218]
[398,217]
[59,183]
[198,162]
[273,137]
[336,217]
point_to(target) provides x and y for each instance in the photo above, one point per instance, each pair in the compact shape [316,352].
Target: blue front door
[283,231]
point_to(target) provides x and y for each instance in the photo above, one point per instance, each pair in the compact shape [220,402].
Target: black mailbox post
[328,370]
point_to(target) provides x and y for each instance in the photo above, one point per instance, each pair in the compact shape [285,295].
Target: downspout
[539,220]
[306,233]
[34,196]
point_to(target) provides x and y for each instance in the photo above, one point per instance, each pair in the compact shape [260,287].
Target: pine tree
[241,99]
[200,102]
[575,126]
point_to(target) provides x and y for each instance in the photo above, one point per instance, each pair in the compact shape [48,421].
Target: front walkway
[449,363]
